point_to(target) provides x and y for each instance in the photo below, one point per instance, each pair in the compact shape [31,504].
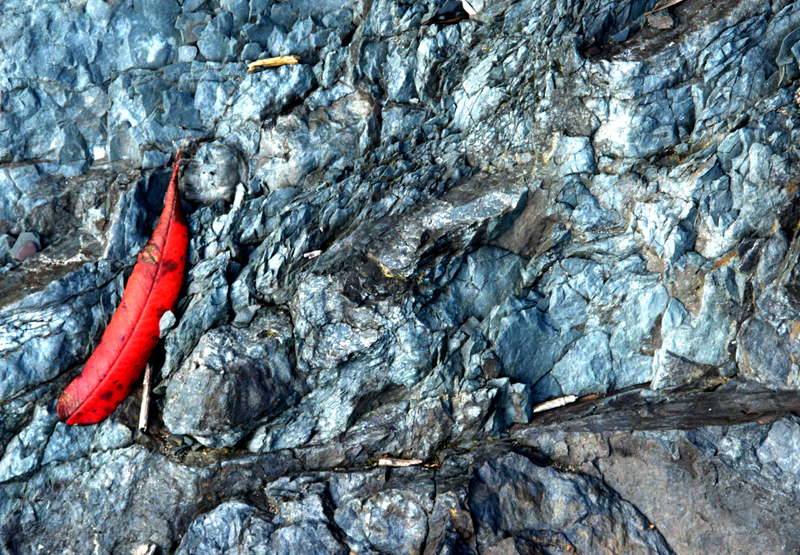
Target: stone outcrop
[400,246]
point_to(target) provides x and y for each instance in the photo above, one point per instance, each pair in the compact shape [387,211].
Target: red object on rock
[27,250]
[116,364]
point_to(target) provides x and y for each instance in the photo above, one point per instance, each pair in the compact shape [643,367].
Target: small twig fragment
[555,403]
[273,62]
[663,5]
[388,461]
[312,254]
[145,410]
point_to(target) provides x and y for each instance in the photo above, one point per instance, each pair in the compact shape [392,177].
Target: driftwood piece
[555,403]
[273,62]
[388,461]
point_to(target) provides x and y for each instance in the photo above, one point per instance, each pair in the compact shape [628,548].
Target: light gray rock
[213,173]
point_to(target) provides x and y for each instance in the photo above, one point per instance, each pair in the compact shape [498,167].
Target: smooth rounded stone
[187,53]
[233,527]
[234,378]
[763,355]
[26,245]
[213,173]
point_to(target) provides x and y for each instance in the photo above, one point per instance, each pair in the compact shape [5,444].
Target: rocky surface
[400,246]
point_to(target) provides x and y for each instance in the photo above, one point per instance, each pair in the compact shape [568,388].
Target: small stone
[661,20]
[166,323]
[251,51]
[213,173]
[154,159]
[26,245]
[26,250]
[187,53]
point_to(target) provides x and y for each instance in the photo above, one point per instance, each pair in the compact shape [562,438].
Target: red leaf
[116,364]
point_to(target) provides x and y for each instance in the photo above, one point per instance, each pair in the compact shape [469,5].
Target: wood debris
[388,461]
[555,403]
[145,410]
[273,62]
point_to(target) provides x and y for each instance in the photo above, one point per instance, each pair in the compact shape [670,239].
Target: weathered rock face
[400,246]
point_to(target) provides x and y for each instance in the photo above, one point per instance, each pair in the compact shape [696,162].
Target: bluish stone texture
[400,246]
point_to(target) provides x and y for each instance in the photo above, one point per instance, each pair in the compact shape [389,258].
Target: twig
[273,62]
[555,403]
[143,413]
[388,461]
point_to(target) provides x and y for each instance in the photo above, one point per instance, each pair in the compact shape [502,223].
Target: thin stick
[555,403]
[143,413]
[273,62]
[388,461]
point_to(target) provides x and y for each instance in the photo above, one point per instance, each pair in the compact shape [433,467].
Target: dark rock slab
[234,378]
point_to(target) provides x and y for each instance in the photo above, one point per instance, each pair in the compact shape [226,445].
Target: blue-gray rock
[528,345]
[213,43]
[763,356]
[232,527]
[514,495]
[233,379]
[213,173]
[458,222]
